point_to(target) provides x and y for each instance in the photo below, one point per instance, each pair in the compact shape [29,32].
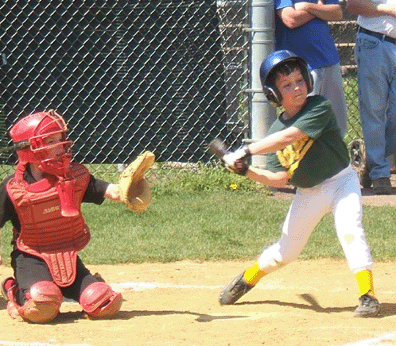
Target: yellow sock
[253,275]
[365,282]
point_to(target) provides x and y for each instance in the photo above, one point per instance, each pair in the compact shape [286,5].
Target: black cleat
[234,290]
[368,307]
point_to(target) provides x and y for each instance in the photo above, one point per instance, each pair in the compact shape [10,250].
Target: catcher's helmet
[34,129]
[269,66]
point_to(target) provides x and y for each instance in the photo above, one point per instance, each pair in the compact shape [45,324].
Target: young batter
[305,148]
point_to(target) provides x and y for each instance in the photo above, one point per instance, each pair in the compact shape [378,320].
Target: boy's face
[54,150]
[293,89]
[53,159]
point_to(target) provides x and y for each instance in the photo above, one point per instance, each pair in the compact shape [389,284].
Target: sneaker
[13,311]
[6,286]
[382,186]
[234,290]
[368,306]
[357,152]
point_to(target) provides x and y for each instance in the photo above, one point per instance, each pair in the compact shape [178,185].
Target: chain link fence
[131,75]
[344,33]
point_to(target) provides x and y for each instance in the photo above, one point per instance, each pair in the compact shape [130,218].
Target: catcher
[42,200]
[305,148]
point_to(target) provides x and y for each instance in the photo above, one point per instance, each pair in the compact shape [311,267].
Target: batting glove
[236,162]
[240,154]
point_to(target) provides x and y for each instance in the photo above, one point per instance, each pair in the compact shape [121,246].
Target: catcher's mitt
[134,188]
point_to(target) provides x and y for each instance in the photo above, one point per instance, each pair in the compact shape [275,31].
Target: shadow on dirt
[126,315]
[387,309]
[70,317]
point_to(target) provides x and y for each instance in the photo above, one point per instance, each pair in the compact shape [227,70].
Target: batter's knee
[273,259]
[99,301]
[43,303]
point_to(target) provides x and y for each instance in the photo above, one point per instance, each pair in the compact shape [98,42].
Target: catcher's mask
[34,130]
[272,64]
[41,138]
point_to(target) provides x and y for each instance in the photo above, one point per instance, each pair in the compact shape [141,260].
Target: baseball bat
[218,148]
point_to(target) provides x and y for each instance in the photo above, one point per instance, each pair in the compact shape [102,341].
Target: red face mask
[35,130]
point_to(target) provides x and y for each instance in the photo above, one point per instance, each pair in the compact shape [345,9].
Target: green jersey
[311,161]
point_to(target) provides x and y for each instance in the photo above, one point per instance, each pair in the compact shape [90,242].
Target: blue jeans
[376,60]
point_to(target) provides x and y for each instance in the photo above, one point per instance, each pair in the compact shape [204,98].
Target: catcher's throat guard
[133,187]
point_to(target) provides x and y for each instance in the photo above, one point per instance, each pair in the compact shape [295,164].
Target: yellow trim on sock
[253,275]
[365,282]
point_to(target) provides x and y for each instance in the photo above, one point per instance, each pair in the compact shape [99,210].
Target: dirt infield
[306,303]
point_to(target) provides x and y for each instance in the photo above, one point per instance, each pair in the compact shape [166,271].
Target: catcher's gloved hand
[133,187]
[237,161]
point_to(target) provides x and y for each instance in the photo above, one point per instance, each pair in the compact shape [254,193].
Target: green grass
[196,215]
[198,226]
[351,97]
[206,213]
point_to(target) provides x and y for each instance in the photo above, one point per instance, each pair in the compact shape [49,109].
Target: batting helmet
[270,65]
[34,129]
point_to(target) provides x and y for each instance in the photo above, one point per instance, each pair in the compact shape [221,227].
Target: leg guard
[43,303]
[99,301]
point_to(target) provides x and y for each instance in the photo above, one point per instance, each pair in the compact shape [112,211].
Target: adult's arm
[368,8]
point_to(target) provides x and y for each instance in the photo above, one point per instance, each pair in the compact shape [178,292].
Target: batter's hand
[240,167]
[241,154]
[237,161]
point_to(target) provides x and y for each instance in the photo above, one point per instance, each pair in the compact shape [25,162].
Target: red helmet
[35,129]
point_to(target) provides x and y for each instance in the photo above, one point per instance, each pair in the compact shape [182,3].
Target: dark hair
[284,69]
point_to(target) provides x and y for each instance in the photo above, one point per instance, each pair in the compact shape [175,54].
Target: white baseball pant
[340,195]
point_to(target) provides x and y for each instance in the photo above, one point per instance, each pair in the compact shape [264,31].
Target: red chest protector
[45,233]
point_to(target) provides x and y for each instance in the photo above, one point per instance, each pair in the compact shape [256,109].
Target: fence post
[262,40]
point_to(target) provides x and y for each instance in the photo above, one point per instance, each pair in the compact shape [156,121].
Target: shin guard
[99,301]
[43,303]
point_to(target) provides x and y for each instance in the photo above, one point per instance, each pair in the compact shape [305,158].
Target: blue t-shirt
[311,41]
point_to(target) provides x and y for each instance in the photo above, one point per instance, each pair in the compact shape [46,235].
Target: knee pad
[43,302]
[100,301]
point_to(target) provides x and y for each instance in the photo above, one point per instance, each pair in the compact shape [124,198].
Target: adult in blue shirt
[302,27]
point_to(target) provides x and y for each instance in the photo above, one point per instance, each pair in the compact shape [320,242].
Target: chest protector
[45,233]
